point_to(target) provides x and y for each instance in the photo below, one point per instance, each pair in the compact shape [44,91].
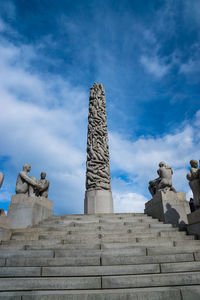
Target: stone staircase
[89,257]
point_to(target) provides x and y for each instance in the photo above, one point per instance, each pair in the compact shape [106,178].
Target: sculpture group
[31,186]
[97,166]
[98,183]
[164,181]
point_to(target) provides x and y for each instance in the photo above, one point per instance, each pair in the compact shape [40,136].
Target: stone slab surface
[21,253]
[125,294]
[180,267]
[169,207]
[100,270]
[27,211]
[124,260]
[9,284]
[98,201]
[43,261]
[19,271]
[151,280]
[171,250]
[190,293]
[194,217]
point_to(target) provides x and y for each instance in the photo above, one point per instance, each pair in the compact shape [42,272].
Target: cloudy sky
[146,54]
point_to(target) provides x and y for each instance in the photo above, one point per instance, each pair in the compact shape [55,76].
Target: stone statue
[164,181]
[43,192]
[194,182]
[1,179]
[98,165]
[31,186]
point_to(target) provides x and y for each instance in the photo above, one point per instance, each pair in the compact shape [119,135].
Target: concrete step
[172,250]
[106,259]
[58,261]
[165,293]
[153,280]
[127,259]
[112,256]
[134,250]
[64,271]
[105,282]
[90,253]
[66,283]
[24,253]
[78,271]
[180,267]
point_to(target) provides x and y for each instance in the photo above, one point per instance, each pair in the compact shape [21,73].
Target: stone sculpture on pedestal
[31,186]
[167,205]
[30,204]
[164,181]
[98,197]
[194,181]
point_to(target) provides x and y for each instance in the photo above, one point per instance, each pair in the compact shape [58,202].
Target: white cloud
[191,66]
[154,65]
[128,202]
[44,122]
[139,160]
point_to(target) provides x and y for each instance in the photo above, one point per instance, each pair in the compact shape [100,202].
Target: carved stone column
[98,196]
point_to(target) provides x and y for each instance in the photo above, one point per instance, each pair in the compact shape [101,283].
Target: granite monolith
[98,196]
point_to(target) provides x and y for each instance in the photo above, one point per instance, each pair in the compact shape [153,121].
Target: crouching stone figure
[164,181]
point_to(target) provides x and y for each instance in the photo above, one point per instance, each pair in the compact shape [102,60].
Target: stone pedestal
[194,223]
[169,207]
[5,232]
[98,201]
[28,211]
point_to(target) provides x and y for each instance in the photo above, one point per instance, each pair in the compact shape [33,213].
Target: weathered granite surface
[98,165]
[27,211]
[194,223]
[169,207]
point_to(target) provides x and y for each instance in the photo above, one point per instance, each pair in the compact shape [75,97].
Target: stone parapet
[27,211]
[169,207]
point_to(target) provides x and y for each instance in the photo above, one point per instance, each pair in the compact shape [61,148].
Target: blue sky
[145,53]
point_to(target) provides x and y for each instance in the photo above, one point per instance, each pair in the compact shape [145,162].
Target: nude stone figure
[26,184]
[164,181]
[31,186]
[43,192]
[194,182]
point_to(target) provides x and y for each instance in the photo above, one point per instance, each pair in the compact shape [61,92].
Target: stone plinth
[4,222]
[28,211]
[169,207]
[194,223]
[5,232]
[98,201]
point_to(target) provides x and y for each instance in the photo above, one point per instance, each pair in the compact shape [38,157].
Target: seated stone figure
[26,184]
[1,179]
[194,182]
[43,192]
[164,181]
